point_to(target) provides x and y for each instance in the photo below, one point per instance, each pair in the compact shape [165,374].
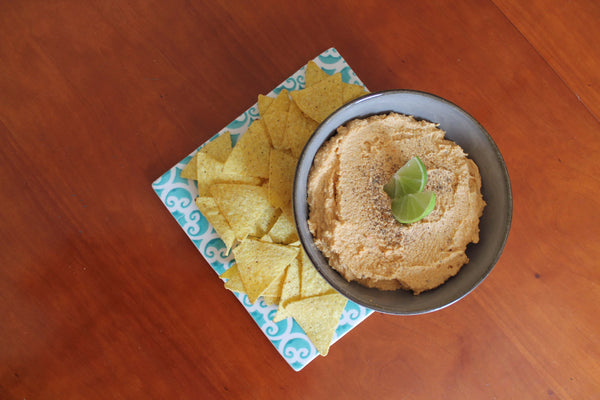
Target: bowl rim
[301,209]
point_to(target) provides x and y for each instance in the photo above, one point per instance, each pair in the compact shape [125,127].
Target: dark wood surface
[103,296]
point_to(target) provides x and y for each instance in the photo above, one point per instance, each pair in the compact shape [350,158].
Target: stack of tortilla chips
[245,192]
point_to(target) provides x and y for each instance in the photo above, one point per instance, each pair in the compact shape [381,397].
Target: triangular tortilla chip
[234,280]
[318,316]
[264,102]
[298,130]
[207,171]
[321,99]
[260,264]
[282,168]
[218,148]
[189,171]
[284,230]
[274,289]
[230,272]
[289,291]
[351,91]
[208,208]
[271,300]
[266,222]
[241,205]
[276,119]
[233,178]
[313,283]
[314,74]
[250,156]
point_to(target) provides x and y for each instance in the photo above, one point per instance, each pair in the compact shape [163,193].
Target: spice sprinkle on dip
[350,215]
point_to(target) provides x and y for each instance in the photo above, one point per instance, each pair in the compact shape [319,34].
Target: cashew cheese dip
[350,215]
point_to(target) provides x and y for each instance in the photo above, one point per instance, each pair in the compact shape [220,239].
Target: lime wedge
[410,178]
[413,206]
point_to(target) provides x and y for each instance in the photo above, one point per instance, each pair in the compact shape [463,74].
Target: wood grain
[103,296]
[566,34]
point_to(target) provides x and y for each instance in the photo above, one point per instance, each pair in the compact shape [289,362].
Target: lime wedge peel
[413,206]
[409,202]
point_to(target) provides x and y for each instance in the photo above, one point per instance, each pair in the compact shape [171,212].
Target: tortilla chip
[208,170]
[266,222]
[289,291]
[260,264]
[208,207]
[234,280]
[271,300]
[282,168]
[266,238]
[288,209]
[314,74]
[189,171]
[274,289]
[321,99]
[250,156]
[313,284]
[264,102]
[233,178]
[276,119]
[241,205]
[284,230]
[230,272]
[351,91]
[318,316]
[218,148]
[298,130]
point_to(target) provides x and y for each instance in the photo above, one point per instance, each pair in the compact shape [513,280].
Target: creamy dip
[350,215]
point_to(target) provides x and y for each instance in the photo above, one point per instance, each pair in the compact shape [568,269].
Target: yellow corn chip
[189,171]
[321,99]
[260,264]
[298,130]
[282,168]
[266,222]
[219,148]
[266,238]
[230,272]
[241,205]
[284,230]
[290,289]
[233,178]
[208,170]
[314,74]
[234,280]
[313,283]
[318,316]
[288,209]
[208,208]
[271,300]
[250,156]
[264,102]
[276,119]
[274,289]
[351,91]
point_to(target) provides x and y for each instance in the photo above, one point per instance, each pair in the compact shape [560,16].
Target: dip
[350,215]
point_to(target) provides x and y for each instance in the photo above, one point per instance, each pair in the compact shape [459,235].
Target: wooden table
[103,296]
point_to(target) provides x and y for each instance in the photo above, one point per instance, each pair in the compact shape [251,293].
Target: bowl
[494,224]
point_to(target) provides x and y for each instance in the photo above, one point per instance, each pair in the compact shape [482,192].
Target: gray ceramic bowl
[494,224]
